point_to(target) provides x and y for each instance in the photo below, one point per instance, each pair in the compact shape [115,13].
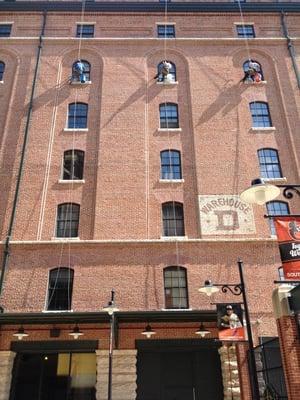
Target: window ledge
[176,309]
[76,129]
[66,239]
[275,180]
[77,83]
[167,83]
[66,181]
[173,238]
[171,180]
[263,128]
[169,129]
[255,83]
[56,311]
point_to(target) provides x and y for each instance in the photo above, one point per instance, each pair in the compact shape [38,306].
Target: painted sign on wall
[225,215]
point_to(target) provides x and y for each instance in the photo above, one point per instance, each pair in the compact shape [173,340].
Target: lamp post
[111,309]
[260,192]
[238,289]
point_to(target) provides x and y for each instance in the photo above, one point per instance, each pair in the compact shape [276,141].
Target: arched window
[176,291]
[60,287]
[73,164]
[168,113]
[86,72]
[269,164]
[260,113]
[246,67]
[77,116]
[170,164]
[173,219]
[172,71]
[276,208]
[67,220]
[2,69]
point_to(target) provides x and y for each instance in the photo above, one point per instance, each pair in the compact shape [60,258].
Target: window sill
[263,129]
[77,83]
[66,239]
[66,181]
[255,83]
[56,311]
[169,129]
[173,238]
[167,83]
[275,180]
[171,180]
[176,309]
[76,129]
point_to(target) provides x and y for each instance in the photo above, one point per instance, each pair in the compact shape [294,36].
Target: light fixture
[148,332]
[202,331]
[110,308]
[208,288]
[76,332]
[260,192]
[20,334]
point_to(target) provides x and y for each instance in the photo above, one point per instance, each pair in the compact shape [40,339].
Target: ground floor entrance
[54,376]
[179,370]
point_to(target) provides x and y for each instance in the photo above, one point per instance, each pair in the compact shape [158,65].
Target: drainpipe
[290,47]
[6,251]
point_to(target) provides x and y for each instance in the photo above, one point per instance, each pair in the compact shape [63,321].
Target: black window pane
[276,208]
[260,115]
[173,219]
[166,31]
[85,31]
[77,118]
[170,165]
[269,164]
[2,68]
[5,30]
[245,31]
[67,220]
[175,282]
[60,288]
[168,116]
[73,164]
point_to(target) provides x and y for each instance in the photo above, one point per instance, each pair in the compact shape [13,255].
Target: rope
[244,31]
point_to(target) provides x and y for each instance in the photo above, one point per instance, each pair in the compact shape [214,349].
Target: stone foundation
[123,377]
[230,373]
[6,365]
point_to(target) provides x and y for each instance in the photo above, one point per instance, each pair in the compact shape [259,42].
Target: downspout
[6,251]
[290,47]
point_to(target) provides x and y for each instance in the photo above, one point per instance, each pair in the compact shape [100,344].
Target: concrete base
[6,365]
[123,378]
[230,372]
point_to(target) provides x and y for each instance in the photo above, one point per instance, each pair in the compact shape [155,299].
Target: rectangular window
[276,208]
[5,30]
[166,31]
[175,280]
[85,31]
[245,31]
[60,289]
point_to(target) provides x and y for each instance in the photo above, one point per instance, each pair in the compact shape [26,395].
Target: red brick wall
[241,351]
[290,352]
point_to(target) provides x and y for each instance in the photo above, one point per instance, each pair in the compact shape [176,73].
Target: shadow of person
[227,99]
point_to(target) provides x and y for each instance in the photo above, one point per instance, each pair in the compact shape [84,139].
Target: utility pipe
[290,47]
[6,251]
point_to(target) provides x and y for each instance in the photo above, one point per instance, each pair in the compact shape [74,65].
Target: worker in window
[164,70]
[78,71]
[252,73]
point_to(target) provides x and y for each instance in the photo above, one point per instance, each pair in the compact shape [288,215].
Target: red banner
[230,322]
[288,234]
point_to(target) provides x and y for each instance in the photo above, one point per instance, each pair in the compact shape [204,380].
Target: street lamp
[148,332]
[111,309]
[238,289]
[260,192]
[202,331]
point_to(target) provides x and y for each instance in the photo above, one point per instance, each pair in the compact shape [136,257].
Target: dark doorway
[54,376]
[179,370]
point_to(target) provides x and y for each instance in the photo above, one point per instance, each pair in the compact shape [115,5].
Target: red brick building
[112,178]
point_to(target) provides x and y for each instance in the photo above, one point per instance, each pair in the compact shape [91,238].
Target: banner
[230,322]
[288,234]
